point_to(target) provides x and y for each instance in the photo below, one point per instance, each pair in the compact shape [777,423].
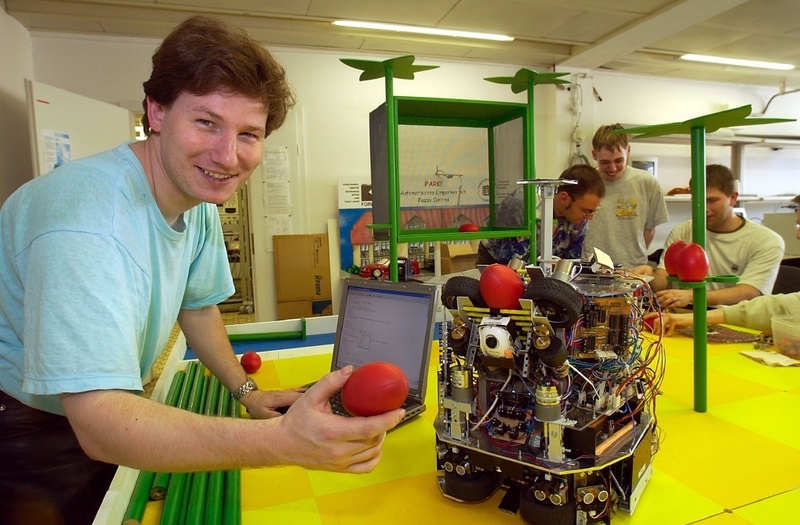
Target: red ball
[251,362]
[693,264]
[375,388]
[671,256]
[469,227]
[501,287]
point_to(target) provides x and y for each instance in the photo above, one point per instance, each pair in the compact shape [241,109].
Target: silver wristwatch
[246,388]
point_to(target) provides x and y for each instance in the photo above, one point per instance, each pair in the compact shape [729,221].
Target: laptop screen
[387,321]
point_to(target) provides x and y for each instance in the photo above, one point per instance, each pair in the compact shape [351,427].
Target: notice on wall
[57,149]
[277,225]
[277,188]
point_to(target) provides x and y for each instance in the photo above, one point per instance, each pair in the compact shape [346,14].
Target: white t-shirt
[632,204]
[753,253]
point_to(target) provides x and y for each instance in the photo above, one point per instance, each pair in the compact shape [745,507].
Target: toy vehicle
[553,402]
[380,268]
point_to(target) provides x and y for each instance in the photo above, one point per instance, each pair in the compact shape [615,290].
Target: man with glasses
[734,245]
[634,206]
[574,205]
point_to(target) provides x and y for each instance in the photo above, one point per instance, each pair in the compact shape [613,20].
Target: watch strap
[248,386]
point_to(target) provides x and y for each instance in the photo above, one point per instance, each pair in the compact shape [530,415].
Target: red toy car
[380,268]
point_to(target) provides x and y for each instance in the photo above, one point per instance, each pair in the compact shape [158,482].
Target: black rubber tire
[534,512]
[557,300]
[461,285]
[474,488]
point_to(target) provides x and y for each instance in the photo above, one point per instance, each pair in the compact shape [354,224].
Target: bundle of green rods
[198,498]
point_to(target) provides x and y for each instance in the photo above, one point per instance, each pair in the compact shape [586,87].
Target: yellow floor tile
[725,462]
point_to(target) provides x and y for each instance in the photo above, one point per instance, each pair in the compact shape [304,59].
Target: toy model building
[553,402]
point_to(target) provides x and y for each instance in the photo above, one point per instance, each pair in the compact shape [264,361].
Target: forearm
[206,334]
[125,429]
[122,428]
[731,295]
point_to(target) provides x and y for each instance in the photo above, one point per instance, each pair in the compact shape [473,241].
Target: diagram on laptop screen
[384,326]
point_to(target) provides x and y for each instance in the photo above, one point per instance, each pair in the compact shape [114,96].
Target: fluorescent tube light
[738,62]
[421,30]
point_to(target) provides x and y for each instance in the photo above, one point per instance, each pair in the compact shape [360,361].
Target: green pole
[391,156]
[699,294]
[530,172]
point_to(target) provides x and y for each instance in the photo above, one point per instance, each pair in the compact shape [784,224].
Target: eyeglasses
[585,211]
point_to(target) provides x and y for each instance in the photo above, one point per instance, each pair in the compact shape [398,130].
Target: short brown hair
[721,178]
[589,181]
[203,55]
[606,138]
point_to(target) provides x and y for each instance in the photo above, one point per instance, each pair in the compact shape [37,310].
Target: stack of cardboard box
[302,275]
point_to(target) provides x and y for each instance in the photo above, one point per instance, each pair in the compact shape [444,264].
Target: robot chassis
[553,402]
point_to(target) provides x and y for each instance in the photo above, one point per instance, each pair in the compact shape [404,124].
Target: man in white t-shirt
[633,206]
[734,245]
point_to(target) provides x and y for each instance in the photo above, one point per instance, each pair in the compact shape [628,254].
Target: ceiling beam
[672,19]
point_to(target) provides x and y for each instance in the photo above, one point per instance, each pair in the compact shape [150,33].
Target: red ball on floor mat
[375,388]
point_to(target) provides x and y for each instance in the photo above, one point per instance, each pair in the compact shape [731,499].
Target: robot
[553,402]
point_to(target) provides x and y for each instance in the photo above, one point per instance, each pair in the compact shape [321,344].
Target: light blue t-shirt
[92,278]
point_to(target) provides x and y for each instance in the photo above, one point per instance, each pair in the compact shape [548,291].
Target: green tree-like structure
[401,67]
[526,80]
[697,129]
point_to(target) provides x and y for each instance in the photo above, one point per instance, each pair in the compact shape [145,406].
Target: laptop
[392,322]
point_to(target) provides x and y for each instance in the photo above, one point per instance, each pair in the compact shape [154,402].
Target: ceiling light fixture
[422,30]
[738,62]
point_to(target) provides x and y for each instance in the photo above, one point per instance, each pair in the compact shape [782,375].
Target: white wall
[335,105]
[16,64]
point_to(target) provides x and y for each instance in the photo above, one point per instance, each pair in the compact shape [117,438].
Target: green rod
[699,294]
[216,479]
[266,336]
[158,490]
[177,491]
[232,496]
[198,481]
[141,491]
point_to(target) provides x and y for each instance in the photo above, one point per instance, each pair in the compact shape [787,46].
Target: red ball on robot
[501,287]
[375,388]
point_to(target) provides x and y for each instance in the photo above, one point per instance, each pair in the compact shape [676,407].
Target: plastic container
[786,335]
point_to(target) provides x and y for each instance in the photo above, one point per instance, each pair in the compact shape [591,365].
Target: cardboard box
[301,309]
[458,257]
[302,267]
